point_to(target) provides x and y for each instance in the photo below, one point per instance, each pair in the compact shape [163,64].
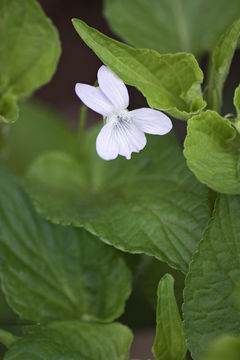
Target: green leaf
[220,64]
[9,322]
[212,152]
[210,308]
[7,316]
[29,52]
[49,272]
[169,82]
[73,340]
[169,343]
[7,338]
[39,128]
[151,204]
[224,347]
[9,111]
[171,26]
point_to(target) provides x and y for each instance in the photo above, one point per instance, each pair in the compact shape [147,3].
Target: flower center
[119,118]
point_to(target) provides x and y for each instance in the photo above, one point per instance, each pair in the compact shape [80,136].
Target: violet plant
[124,130]
[80,235]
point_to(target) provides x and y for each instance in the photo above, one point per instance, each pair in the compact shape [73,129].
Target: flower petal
[130,138]
[94,98]
[151,121]
[106,144]
[113,87]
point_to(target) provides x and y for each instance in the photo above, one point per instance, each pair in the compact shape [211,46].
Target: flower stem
[82,119]
[83,115]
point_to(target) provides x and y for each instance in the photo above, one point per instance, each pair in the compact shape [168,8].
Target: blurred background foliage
[79,64]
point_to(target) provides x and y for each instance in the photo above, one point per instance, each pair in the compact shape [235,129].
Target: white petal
[113,87]
[130,138]
[94,98]
[106,144]
[151,121]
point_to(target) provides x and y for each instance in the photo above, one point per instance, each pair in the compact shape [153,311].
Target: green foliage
[73,340]
[210,308]
[169,343]
[151,204]
[49,272]
[171,25]
[220,64]
[40,129]
[6,313]
[224,347]
[9,111]
[169,82]
[7,338]
[29,52]
[67,283]
[212,152]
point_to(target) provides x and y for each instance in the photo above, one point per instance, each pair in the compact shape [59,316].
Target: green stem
[7,339]
[212,95]
[83,116]
[82,119]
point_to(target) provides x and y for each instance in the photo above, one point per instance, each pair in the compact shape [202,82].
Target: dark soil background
[77,63]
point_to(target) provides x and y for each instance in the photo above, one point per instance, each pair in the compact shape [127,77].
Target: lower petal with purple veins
[129,138]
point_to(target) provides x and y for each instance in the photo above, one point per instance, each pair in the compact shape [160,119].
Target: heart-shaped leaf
[50,272]
[73,340]
[169,82]
[210,307]
[29,52]
[151,204]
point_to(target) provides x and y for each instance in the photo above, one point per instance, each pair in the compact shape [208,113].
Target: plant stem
[82,119]
[83,115]
[212,95]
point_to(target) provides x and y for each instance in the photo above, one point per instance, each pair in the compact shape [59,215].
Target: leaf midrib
[181,23]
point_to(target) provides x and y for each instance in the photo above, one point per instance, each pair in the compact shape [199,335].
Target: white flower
[123,132]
